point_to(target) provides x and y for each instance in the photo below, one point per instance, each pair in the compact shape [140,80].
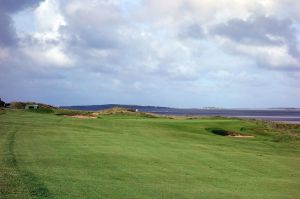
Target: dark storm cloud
[261,31]
[8,7]
[7,32]
[17,5]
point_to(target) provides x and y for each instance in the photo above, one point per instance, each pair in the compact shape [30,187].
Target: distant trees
[2,103]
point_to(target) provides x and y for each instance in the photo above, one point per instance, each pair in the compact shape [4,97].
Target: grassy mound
[69,112]
[119,111]
[21,105]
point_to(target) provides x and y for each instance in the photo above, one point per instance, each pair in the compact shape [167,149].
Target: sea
[277,115]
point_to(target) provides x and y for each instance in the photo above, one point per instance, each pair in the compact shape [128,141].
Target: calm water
[281,115]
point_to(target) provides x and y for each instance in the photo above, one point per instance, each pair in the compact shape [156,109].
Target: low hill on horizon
[109,106]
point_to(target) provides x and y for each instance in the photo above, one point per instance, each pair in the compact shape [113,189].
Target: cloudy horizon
[183,53]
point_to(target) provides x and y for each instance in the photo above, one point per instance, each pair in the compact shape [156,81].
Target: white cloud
[43,23]
[46,46]
[48,16]
[50,57]
[273,57]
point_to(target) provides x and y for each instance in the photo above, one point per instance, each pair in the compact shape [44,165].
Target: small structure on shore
[31,106]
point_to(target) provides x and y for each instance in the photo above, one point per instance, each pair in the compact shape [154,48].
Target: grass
[123,112]
[71,112]
[50,156]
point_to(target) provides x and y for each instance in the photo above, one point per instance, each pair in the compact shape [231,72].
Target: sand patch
[241,136]
[238,135]
[82,116]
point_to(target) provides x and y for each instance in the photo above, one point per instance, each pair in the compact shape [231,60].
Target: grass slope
[49,156]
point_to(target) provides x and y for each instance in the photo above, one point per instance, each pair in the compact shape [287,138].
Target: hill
[109,106]
[21,105]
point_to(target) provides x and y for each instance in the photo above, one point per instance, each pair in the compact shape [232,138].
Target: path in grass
[16,183]
[127,157]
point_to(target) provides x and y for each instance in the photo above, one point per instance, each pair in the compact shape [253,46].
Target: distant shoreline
[286,115]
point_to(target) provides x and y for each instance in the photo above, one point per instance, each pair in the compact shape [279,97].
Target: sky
[177,53]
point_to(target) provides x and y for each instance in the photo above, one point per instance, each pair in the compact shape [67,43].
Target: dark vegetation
[2,103]
[222,132]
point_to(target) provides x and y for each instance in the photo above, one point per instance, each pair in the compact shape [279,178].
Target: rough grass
[41,110]
[50,156]
[71,112]
[2,111]
[123,112]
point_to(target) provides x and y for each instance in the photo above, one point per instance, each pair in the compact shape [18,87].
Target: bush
[2,103]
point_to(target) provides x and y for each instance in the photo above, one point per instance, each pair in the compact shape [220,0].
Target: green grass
[51,156]
[71,112]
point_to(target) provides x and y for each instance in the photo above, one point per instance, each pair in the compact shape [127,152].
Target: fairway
[43,155]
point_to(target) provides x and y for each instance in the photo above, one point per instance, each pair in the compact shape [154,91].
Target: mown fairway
[45,155]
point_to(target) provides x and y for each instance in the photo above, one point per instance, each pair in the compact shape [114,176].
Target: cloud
[96,25]
[192,31]
[11,6]
[7,32]
[257,30]
[271,41]
[7,7]
[150,51]
[48,21]
[53,56]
